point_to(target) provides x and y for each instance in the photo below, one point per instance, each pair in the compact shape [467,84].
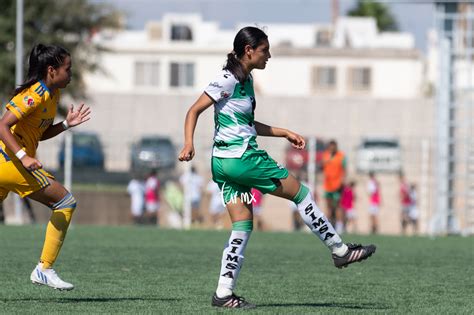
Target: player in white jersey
[238,165]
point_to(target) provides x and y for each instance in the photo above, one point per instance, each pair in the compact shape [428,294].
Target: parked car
[296,160]
[87,151]
[153,152]
[378,155]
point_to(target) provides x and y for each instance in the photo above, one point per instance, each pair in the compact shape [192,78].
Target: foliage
[385,19]
[68,23]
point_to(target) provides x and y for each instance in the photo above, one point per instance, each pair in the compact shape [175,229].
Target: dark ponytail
[249,35]
[41,57]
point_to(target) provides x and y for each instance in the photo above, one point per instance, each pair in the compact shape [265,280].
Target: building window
[181,32]
[147,73]
[324,78]
[323,38]
[182,74]
[360,78]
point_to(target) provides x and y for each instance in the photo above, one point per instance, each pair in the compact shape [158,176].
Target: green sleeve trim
[245,226]
[302,193]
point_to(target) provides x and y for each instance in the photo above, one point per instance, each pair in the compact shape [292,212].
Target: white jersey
[233,115]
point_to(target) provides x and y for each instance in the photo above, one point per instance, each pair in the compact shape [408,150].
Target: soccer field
[137,270]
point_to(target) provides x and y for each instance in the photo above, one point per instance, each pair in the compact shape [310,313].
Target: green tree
[69,23]
[385,20]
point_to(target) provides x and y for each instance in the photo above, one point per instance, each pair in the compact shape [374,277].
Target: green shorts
[255,169]
[334,195]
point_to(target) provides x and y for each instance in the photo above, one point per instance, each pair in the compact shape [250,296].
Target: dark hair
[249,35]
[41,57]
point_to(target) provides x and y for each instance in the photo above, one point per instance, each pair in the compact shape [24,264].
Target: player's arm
[73,118]
[6,123]
[295,139]
[202,103]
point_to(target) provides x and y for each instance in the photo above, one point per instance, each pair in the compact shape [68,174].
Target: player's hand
[78,116]
[31,164]
[187,153]
[296,140]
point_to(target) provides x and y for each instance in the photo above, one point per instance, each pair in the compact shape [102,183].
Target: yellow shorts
[14,177]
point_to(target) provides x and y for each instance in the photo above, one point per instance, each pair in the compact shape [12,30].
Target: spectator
[29,209]
[347,204]
[175,199]
[136,190]
[405,201]
[152,198]
[257,208]
[334,170]
[413,213]
[192,184]
[374,202]
[216,205]
[2,214]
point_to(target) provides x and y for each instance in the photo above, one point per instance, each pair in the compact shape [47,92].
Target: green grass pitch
[148,270]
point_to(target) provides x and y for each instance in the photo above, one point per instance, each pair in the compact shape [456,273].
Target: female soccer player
[29,119]
[238,164]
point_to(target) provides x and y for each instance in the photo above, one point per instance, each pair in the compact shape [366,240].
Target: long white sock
[232,260]
[320,225]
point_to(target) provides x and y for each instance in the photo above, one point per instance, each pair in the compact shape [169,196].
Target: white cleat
[49,278]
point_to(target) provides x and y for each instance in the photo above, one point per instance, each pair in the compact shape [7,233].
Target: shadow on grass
[355,306]
[91,299]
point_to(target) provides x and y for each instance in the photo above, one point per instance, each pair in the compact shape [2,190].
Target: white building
[181,53]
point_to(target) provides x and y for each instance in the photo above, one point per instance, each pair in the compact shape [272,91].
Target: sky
[415,17]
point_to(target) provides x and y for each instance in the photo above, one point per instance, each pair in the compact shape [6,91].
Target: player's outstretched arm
[202,103]
[73,118]
[268,131]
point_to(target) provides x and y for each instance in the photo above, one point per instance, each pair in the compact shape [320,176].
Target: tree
[385,20]
[68,23]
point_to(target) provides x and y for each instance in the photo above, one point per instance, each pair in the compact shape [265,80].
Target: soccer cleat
[356,252]
[231,301]
[49,278]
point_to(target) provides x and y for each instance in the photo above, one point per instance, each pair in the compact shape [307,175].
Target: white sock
[232,260]
[320,225]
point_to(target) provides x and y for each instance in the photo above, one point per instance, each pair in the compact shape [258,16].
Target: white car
[378,155]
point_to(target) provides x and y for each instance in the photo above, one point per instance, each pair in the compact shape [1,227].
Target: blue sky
[413,16]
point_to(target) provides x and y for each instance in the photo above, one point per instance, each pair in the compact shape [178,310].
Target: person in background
[136,190]
[29,209]
[347,204]
[404,201]
[216,205]
[413,213]
[334,171]
[192,184]
[257,201]
[173,196]
[152,198]
[373,188]
[2,213]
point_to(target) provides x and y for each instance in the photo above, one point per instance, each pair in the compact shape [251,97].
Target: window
[323,38]
[360,78]
[182,74]
[181,32]
[147,73]
[324,78]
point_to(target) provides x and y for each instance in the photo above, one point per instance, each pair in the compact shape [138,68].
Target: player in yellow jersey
[29,119]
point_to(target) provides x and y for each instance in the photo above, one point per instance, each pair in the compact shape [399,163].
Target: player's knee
[68,203]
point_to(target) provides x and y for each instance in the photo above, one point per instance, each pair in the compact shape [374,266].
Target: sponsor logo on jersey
[216,84]
[225,94]
[28,101]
